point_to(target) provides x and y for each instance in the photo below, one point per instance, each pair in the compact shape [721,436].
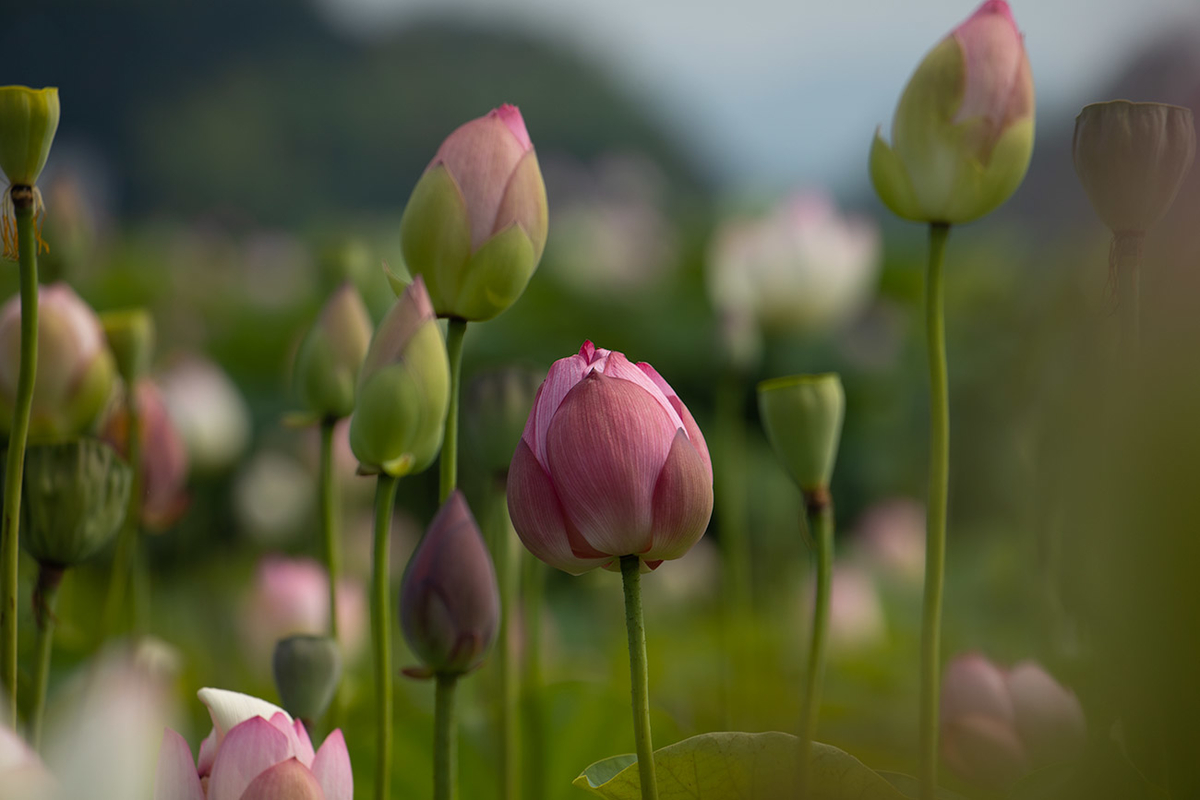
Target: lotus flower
[210,412]
[611,464]
[256,751]
[22,774]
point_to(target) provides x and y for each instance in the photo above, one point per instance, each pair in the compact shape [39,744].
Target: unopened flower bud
[962,136]
[497,404]
[449,599]
[802,416]
[476,223]
[28,120]
[75,368]
[307,671]
[1132,159]
[328,361]
[130,334]
[74,498]
[403,390]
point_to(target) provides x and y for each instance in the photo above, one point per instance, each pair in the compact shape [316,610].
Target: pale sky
[780,92]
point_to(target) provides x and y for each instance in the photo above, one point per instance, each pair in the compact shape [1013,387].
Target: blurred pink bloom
[22,774]
[611,463]
[998,725]
[164,457]
[856,620]
[209,412]
[803,266]
[291,596]
[256,751]
[891,539]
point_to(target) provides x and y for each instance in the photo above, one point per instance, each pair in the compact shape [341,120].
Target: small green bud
[497,405]
[403,390]
[328,361]
[802,416]
[1132,159]
[74,499]
[307,670]
[28,120]
[130,335]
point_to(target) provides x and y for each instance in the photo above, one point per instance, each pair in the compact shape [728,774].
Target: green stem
[456,330]
[127,541]
[385,498]
[935,536]
[502,537]
[533,577]
[1126,262]
[45,598]
[819,509]
[445,740]
[22,198]
[631,567]
[329,529]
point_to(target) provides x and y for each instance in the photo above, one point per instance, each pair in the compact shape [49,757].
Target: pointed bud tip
[510,115]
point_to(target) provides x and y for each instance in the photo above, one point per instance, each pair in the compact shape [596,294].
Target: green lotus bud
[75,367]
[130,335]
[497,406]
[327,363]
[28,120]
[476,223]
[403,390]
[1132,159]
[307,671]
[802,416]
[962,136]
[74,498]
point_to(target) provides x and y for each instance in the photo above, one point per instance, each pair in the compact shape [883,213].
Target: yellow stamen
[8,224]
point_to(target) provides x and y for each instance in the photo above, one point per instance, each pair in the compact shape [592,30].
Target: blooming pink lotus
[255,752]
[998,725]
[611,463]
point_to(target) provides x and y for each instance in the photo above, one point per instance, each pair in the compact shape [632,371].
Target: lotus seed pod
[802,416]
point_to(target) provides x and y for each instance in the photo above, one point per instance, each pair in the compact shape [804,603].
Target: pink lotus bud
[998,725]
[856,617]
[611,464]
[291,596]
[164,457]
[75,367]
[255,752]
[449,599]
[962,136]
[476,223]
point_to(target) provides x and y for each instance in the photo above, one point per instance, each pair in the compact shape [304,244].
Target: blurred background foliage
[226,163]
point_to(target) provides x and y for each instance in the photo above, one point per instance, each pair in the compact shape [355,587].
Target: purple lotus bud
[449,599]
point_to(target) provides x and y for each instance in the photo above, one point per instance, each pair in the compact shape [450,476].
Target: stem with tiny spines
[45,600]
[935,537]
[445,739]
[455,331]
[819,512]
[385,498]
[639,675]
[27,244]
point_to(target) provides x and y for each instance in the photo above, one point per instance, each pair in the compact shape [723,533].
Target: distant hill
[258,111]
